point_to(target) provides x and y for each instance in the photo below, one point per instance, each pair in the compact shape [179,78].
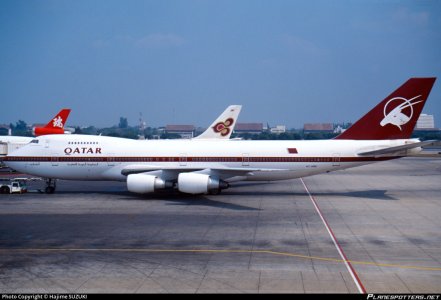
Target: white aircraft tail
[223,126]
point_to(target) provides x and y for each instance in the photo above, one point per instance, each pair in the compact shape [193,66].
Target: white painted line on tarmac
[347,263]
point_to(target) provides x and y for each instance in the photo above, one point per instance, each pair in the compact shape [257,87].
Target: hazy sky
[182,62]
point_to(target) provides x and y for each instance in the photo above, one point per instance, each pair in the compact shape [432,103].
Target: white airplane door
[54,160]
[111,160]
[245,159]
[336,159]
[182,159]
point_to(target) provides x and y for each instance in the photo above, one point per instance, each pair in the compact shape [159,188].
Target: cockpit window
[34,141]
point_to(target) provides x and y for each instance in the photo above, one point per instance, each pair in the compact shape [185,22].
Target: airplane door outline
[246,159]
[183,159]
[111,160]
[336,159]
[54,160]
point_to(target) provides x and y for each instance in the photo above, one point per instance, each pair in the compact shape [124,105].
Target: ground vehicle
[13,187]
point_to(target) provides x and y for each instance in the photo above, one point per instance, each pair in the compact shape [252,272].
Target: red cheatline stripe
[342,254]
[255,159]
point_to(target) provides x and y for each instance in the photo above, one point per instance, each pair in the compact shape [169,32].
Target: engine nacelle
[143,184]
[194,183]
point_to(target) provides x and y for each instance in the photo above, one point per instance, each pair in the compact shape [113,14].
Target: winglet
[222,127]
[395,117]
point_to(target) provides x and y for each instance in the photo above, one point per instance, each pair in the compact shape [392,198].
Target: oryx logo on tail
[401,114]
[400,110]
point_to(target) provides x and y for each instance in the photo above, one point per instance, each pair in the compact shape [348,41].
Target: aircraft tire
[214,191]
[49,190]
[5,190]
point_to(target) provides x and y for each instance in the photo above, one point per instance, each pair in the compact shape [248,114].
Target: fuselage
[85,157]
[15,139]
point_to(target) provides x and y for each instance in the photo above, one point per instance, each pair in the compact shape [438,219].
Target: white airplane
[200,166]
[221,128]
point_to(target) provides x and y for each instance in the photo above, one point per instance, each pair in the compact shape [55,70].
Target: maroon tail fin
[395,117]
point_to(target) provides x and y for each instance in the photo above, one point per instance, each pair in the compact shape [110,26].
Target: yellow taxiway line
[147,250]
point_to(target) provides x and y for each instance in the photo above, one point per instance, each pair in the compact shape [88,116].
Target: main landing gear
[214,191]
[51,184]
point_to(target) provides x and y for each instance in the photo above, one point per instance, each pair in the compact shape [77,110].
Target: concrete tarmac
[95,237]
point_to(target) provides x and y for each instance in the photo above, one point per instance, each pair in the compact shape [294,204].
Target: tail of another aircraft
[394,117]
[222,127]
[55,126]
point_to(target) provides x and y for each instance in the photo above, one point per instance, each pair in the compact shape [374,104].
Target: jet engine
[143,183]
[194,183]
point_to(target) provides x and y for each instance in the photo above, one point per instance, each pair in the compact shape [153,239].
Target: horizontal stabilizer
[392,150]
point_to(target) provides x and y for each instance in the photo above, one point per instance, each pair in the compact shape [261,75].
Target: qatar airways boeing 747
[208,165]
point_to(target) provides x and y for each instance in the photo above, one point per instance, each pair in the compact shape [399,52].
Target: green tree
[21,125]
[123,123]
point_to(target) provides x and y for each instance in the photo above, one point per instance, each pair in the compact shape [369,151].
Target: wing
[220,172]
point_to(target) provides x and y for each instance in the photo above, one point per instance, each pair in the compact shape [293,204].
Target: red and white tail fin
[59,120]
[55,126]
[394,117]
